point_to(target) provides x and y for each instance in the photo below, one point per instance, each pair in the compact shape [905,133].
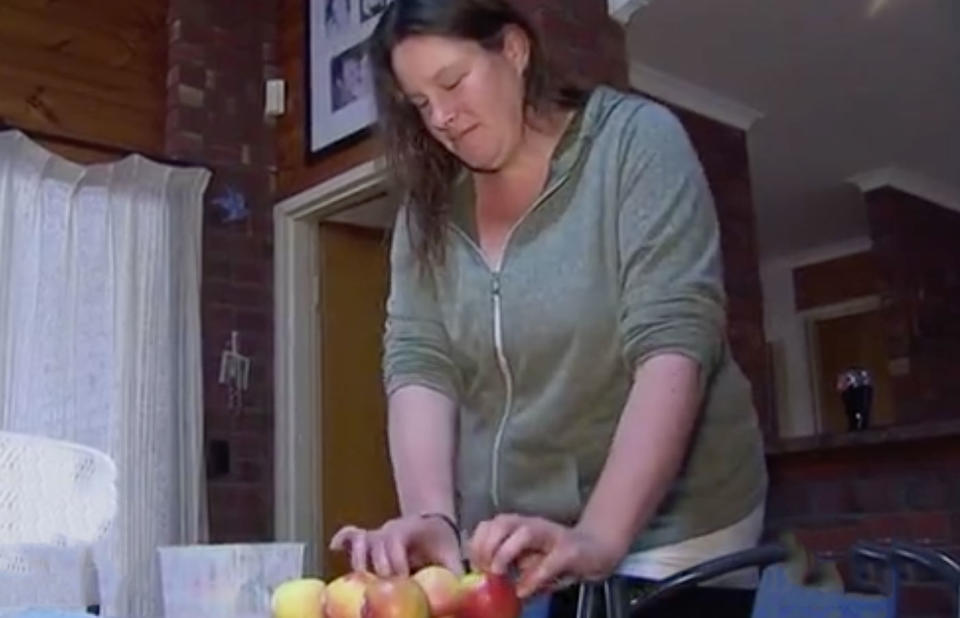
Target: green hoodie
[617,260]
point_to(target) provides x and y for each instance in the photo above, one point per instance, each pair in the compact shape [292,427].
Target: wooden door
[842,342]
[357,482]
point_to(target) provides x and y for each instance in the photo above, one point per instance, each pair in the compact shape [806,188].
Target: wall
[832,498]
[913,265]
[916,247]
[904,485]
[296,170]
[90,69]
[722,150]
[785,328]
[836,280]
[219,55]
[582,40]
[182,78]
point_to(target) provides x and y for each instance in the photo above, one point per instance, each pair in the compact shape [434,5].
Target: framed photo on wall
[340,101]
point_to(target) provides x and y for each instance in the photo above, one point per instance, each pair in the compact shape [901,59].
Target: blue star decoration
[232,205]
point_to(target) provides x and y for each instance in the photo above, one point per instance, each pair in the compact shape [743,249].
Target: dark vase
[856,392]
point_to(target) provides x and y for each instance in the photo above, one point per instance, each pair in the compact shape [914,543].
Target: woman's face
[470,98]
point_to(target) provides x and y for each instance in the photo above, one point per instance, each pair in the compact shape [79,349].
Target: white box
[226,581]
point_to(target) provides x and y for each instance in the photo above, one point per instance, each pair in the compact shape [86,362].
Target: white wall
[786,329]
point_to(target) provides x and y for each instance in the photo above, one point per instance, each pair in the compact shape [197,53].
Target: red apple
[442,588]
[395,597]
[487,595]
[344,595]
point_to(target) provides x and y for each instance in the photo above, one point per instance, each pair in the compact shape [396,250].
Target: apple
[395,597]
[298,598]
[488,595]
[345,594]
[442,588]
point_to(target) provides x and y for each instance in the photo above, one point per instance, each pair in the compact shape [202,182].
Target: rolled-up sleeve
[672,297]
[416,348]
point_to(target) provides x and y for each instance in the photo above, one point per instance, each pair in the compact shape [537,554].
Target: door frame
[297,512]
[809,318]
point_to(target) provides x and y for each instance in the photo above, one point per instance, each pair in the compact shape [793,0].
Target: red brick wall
[910,491]
[915,242]
[836,280]
[723,152]
[219,55]
[580,39]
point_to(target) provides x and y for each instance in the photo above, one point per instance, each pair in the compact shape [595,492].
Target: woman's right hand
[401,545]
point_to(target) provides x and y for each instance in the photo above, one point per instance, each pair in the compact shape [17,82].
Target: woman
[559,385]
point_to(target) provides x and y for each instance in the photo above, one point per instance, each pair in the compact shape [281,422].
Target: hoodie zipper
[499,348]
[508,387]
[502,362]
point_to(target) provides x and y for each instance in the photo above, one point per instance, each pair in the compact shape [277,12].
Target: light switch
[275,97]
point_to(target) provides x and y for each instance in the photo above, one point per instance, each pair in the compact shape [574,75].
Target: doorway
[354,197]
[354,471]
[841,342]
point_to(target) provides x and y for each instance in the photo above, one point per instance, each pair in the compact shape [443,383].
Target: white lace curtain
[100,340]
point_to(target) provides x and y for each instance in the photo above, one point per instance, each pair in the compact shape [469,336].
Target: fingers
[528,561]
[359,549]
[343,537]
[388,552]
[554,566]
[519,542]
[452,560]
[379,557]
[487,538]
[500,542]
[397,554]
[354,540]
[390,549]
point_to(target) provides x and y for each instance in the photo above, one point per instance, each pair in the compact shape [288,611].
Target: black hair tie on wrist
[464,563]
[448,520]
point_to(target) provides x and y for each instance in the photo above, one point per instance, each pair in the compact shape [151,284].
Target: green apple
[298,598]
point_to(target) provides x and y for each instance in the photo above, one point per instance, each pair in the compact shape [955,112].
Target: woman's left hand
[546,553]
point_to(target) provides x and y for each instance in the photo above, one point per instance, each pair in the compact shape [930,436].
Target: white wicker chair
[56,500]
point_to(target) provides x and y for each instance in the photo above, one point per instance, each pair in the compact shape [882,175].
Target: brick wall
[723,152]
[580,39]
[915,242]
[219,55]
[832,498]
[835,496]
[836,280]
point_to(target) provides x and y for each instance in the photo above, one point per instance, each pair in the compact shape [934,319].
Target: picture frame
[340,105]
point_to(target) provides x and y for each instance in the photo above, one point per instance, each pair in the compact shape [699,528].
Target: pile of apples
[432,592]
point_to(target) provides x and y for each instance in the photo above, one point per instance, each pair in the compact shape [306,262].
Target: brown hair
[423,170]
